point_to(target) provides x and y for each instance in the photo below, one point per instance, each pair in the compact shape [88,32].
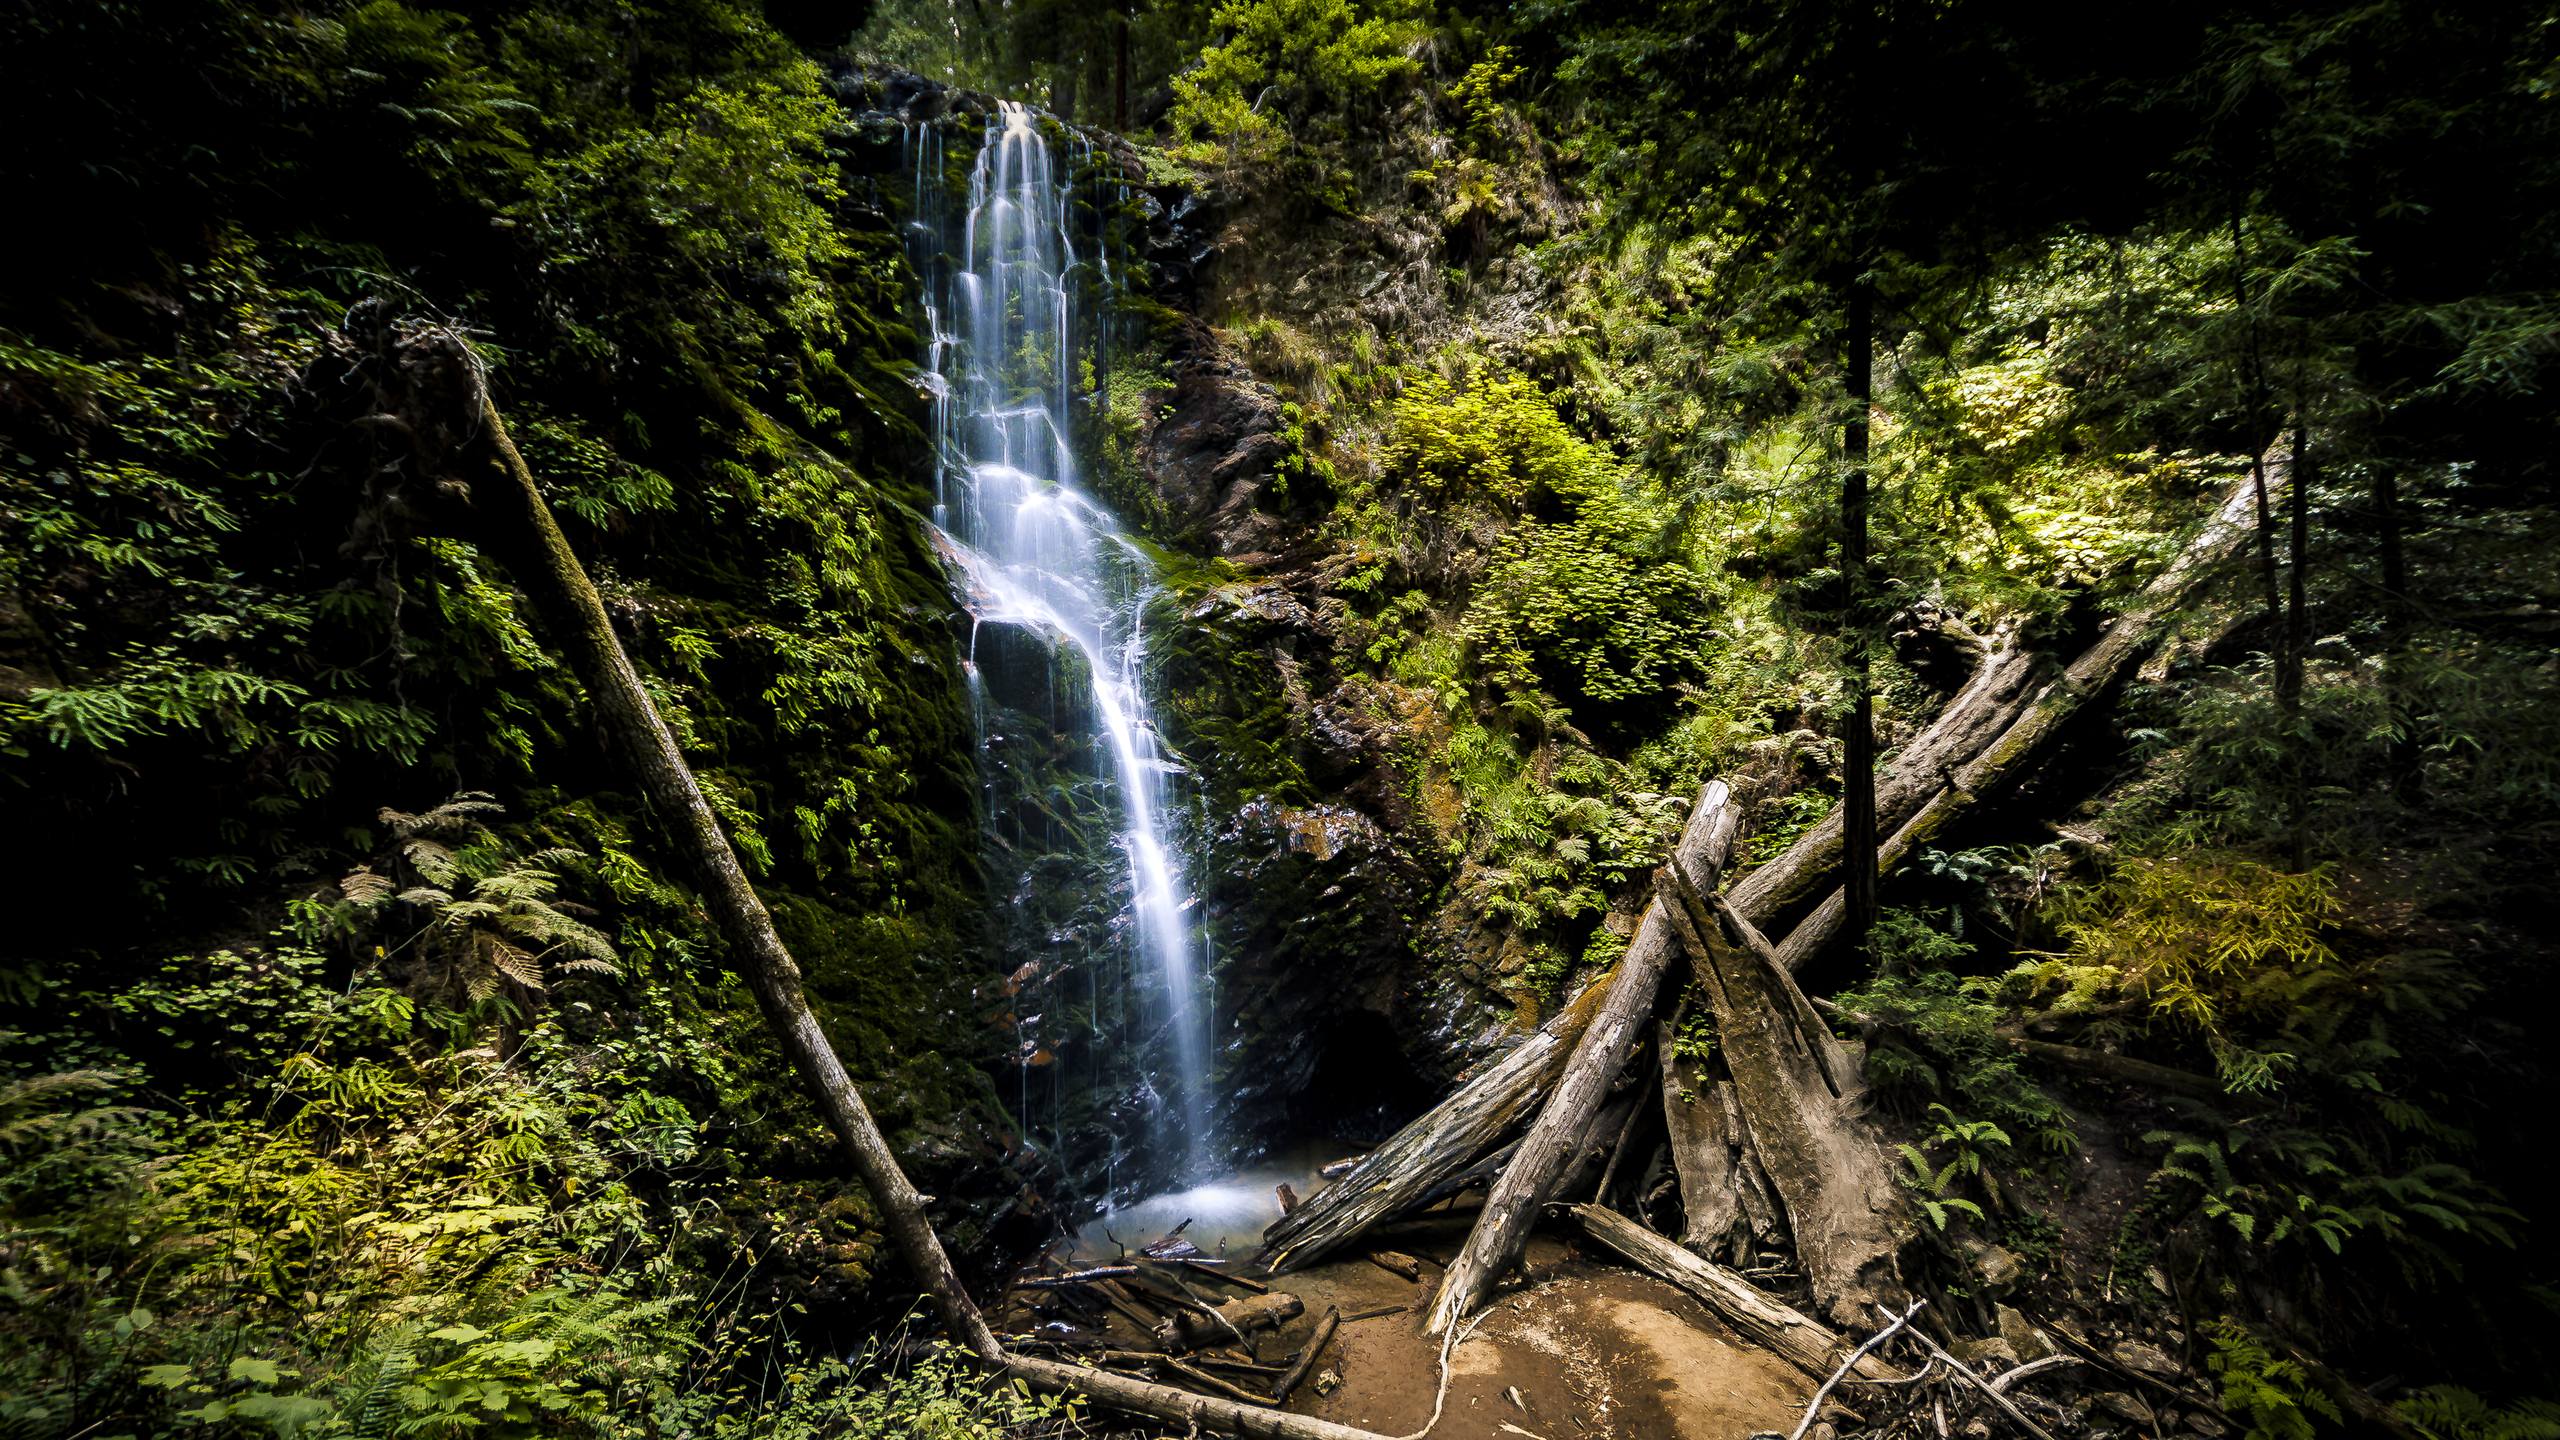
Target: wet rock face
[1215,449]
[1312,907]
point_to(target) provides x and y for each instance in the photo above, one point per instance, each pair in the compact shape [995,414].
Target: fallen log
[1931,788]
[1408,1171]
[1209,1324]
[1801,1340]
[638,743]
[1539,1165]
[1799,1100]
[2123,1069]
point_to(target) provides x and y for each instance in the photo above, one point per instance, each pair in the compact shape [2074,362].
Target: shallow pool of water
[1227,1215]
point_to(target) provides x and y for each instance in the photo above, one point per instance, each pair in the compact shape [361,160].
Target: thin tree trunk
[1940,795]
[2297,643]
[1539,1165]
[1120,73]
[1858,753]
[2254,377]
[2407,779]
[639,742]
[637,739]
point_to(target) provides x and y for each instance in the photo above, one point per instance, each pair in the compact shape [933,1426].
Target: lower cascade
[1011,308]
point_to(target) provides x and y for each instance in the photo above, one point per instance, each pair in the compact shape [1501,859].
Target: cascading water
[1041,555]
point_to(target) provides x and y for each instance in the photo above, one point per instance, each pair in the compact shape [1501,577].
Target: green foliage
[1954,1150]
[1935,1043]
[2271,1394]
[2449,1412]
[486,916]
[1284,82]
[2208,939]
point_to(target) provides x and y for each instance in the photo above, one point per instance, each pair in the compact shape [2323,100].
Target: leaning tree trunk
[1536,1168]
[1988,734]
[641,745]
[638,741]
[1800,1100]
[1932,787]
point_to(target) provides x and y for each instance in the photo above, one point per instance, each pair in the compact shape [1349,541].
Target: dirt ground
[1580,1348]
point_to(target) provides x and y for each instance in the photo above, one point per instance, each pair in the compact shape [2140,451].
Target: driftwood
[1966,1373]
[1801,1340]
[1540,1164]
[1799,1101]
[1078,1277]
[1397,1263]
[1813,1406]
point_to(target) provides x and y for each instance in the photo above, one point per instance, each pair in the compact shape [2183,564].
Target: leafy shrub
[1283,83]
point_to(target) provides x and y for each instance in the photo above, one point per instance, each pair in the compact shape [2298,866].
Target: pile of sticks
[1168,1315]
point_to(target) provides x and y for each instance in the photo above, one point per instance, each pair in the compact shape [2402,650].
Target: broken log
[1799,1101]
[1801,1340]
[1305,1364]
[1210,1324]
[2003,713]
[1396,1263]
[1707,1153]
[1539,1165]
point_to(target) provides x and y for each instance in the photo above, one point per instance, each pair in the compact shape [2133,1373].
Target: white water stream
[1039,552]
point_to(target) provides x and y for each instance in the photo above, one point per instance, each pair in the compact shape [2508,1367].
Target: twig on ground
[1814,1406]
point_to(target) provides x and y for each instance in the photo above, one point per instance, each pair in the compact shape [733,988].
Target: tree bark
[2007,680]
[1539,1165]
[1799,1098]
[1858,752]
[2297,642]
[2406,775]
[1802,1341]
[640,744]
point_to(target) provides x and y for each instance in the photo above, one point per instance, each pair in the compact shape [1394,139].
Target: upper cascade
[1038,551]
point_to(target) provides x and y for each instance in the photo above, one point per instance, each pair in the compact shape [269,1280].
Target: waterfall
[1039,553]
